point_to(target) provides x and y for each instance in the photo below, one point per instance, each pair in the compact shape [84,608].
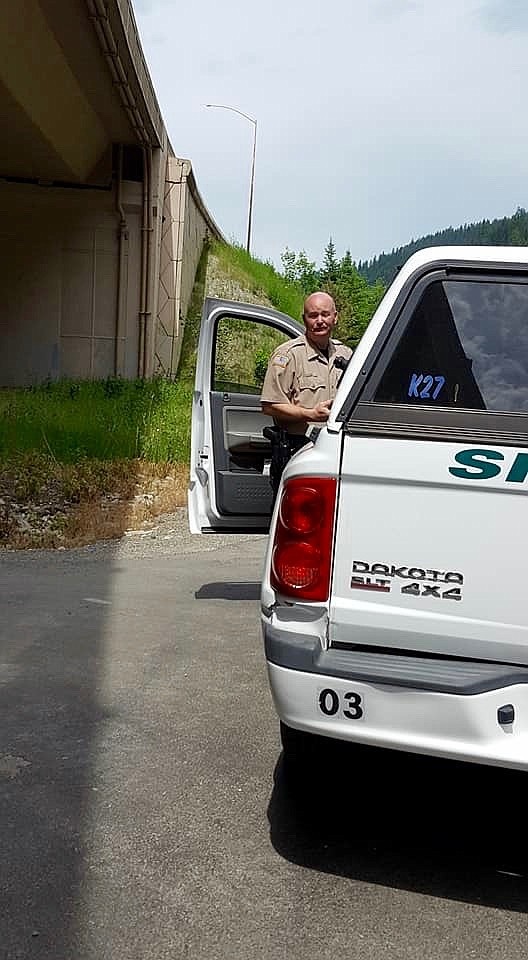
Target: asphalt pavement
[145,810]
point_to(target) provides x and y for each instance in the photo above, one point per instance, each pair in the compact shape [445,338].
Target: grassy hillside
[230,273]
[234,274]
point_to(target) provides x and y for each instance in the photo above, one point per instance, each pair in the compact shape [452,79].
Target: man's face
[320,318]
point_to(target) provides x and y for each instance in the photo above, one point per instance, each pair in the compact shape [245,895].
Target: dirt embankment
[232,286]
[61,514]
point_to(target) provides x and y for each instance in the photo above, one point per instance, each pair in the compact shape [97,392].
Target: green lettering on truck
[477,464]
[519,470]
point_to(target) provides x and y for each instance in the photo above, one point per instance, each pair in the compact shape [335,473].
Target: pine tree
[288,260]
[296,268]
[330,269]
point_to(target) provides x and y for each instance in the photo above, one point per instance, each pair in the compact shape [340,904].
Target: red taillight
[302,549]
[301,508]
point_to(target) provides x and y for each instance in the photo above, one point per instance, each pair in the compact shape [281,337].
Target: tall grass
[72,422]
[103,420]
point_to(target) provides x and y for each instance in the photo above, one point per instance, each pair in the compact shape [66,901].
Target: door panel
[243,428]
[240,454]
[230,489]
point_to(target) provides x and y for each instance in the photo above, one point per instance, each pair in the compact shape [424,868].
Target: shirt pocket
[309,381]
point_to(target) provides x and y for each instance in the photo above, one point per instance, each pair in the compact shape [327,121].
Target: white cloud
[389,9]
[505,16]
[377,121]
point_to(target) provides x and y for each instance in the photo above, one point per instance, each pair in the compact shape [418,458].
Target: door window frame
[233,315]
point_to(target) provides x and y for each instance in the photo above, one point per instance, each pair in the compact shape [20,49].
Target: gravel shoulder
[169,536]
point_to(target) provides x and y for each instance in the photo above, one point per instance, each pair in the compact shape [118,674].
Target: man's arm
[287,413]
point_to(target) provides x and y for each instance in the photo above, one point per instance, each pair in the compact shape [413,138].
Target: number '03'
[329,704]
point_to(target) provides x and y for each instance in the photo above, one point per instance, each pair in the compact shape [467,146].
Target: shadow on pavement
[446,829]
[51,651]
[228,591]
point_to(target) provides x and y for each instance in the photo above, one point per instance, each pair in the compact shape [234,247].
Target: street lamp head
[225,106]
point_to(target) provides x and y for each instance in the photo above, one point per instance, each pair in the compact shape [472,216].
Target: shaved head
[314,301]
[320,318]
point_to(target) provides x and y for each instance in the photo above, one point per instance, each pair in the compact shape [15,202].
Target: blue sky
[378,120]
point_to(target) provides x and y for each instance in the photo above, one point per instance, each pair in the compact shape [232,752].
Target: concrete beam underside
[44,101]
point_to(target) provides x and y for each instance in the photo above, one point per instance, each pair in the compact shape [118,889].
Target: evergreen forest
[357,287]
[508,231]
[355,298]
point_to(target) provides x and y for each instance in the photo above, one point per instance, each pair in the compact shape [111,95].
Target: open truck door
[229,487]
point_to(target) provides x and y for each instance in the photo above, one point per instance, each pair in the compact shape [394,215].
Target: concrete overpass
[101,225]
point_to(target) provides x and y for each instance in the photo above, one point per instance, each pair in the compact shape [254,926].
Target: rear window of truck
[465,346]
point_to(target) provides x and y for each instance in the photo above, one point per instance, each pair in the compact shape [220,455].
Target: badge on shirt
[281,361]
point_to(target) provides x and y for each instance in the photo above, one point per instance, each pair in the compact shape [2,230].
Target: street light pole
[223,106]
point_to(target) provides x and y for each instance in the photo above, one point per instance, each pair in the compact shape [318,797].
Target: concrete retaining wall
[186,226]
[59,274]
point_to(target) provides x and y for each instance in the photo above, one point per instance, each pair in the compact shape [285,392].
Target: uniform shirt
[300,373]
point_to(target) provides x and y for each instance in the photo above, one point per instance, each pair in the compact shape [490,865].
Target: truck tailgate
[427,560]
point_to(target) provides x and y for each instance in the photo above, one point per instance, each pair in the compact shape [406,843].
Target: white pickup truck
[394,595]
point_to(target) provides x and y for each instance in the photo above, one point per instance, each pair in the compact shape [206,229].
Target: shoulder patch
[280,360]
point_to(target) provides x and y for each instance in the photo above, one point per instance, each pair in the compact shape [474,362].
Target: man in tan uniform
[303,374]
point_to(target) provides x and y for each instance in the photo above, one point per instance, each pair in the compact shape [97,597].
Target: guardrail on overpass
[101,225]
